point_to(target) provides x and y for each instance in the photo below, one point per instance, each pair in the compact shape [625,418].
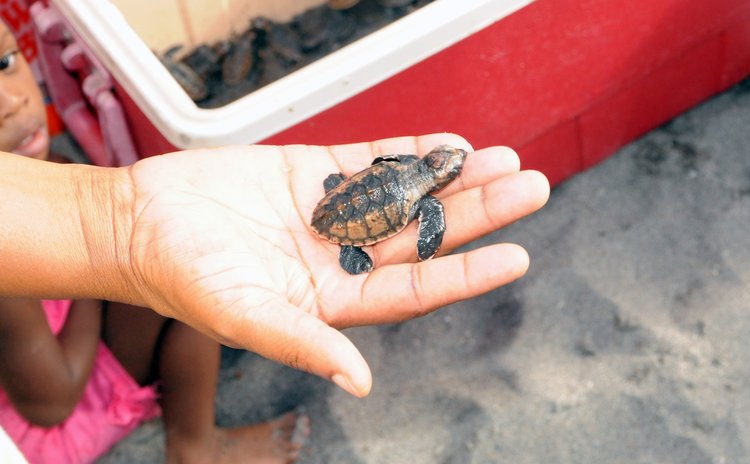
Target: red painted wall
[565,83]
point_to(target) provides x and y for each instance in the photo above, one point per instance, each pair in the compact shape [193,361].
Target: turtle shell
[366,208]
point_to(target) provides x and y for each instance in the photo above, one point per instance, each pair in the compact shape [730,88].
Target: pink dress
[112,406]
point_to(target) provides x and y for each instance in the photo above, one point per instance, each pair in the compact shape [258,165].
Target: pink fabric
[112,406]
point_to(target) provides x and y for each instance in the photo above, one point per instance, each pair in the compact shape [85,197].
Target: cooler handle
[106,138]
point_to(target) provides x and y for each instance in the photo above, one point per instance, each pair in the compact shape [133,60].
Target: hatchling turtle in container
[379,202]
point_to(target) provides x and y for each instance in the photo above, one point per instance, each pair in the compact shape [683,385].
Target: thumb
[282,332]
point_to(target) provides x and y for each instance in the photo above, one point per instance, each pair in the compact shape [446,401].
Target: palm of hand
[222,241]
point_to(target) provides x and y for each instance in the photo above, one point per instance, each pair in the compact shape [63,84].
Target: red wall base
[565,83]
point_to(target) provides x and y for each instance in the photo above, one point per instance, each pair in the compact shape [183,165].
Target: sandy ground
[625,343]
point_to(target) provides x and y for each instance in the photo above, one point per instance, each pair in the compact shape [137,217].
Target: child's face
[23,117]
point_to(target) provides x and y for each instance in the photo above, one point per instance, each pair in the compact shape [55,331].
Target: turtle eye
[434,160]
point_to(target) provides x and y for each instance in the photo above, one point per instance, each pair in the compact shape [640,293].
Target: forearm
[45,375]
[58,238]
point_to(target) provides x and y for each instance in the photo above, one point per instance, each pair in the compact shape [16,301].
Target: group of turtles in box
[216,74]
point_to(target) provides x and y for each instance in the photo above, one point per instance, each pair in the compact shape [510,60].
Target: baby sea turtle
[378,202]
[239,60]
[193,84]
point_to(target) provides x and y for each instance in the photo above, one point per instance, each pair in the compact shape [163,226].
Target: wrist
[64,230]
[104,201]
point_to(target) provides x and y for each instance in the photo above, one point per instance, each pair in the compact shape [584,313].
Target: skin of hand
[221,240]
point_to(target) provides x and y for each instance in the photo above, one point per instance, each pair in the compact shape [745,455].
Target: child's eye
[8,60]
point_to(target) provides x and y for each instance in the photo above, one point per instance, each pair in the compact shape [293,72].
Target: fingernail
[344,383]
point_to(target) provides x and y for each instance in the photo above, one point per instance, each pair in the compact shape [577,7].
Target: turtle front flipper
[406,159]
[332,181]
[354,260]
[431,226]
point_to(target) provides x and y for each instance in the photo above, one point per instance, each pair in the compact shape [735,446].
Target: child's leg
[188,369]
[188,377]
[132,334]
[188,366]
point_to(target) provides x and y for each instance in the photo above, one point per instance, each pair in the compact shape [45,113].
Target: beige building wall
[164,23]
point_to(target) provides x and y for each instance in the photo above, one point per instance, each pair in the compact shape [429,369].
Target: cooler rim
[288,101]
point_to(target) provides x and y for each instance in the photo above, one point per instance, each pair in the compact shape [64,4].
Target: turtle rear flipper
[354,260]
[351,258]
[431,227]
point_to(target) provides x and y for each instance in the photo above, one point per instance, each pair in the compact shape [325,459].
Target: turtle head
[444,163]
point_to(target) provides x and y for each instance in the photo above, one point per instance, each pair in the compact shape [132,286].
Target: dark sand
[627,342]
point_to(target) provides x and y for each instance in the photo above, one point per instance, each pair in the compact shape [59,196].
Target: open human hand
[221,239]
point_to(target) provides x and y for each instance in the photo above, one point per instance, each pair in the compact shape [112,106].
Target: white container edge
[288,101]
